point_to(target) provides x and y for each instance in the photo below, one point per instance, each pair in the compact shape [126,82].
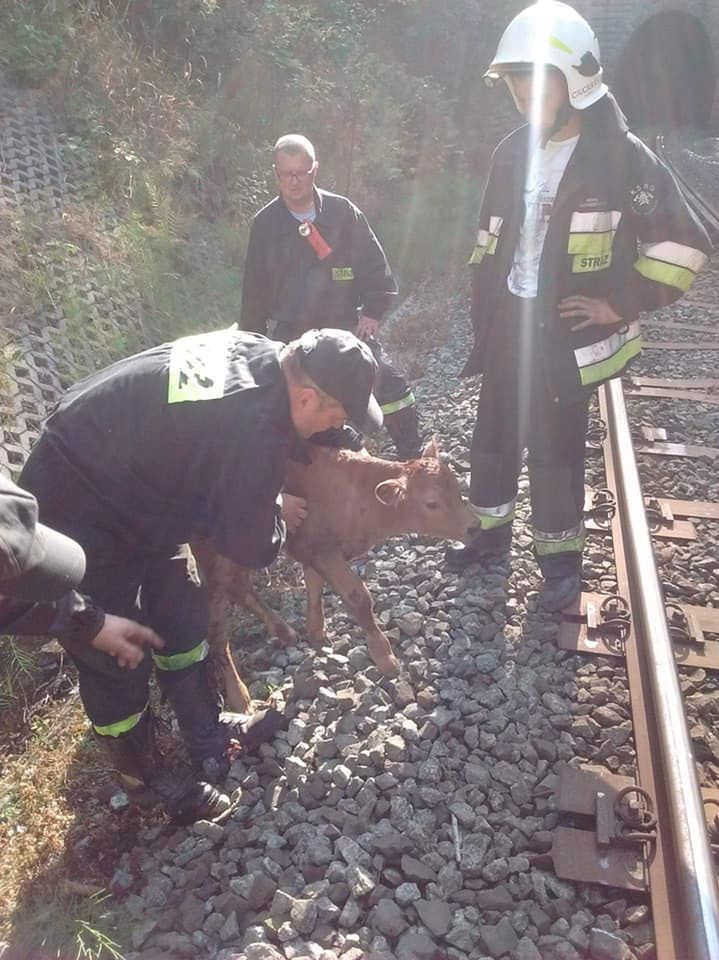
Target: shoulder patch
[644,198]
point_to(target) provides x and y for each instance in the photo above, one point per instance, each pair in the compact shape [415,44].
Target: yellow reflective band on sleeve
[613,365]
[679,254]
[178,661]
[395,405]
[198,366]
[568,541]
[342,273]
[487,240]
[122,726]
[673,276]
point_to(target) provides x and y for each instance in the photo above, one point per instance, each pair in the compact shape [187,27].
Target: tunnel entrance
[666,74]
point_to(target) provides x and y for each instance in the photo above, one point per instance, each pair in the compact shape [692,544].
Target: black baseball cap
[36,563]
[343,366]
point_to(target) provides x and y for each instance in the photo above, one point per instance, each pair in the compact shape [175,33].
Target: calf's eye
[432,505]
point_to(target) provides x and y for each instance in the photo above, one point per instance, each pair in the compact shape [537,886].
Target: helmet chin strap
[564,115]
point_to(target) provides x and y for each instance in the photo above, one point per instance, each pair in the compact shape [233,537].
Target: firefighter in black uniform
[581,229]
[40,570]
[186,440]
[313,260]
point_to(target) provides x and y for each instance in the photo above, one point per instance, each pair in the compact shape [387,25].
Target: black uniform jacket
[619,230]
[188,439]
[286,282]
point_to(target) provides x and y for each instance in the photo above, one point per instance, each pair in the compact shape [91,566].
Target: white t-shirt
[546,169]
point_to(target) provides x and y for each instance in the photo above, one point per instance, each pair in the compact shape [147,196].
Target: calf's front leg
[344,581]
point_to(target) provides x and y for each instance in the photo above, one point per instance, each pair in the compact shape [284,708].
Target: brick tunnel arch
[666,74]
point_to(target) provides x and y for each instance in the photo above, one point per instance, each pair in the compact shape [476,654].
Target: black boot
[206,735]
[487,543]
[557,593]
[136,758]
[403,428]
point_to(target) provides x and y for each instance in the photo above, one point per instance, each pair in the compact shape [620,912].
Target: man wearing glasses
[314,261]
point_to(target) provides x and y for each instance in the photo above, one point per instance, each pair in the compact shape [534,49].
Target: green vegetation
[169,109]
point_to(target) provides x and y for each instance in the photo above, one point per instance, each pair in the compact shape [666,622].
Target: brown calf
[354,501]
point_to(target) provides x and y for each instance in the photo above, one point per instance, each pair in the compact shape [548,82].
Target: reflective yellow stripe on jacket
[674,264]
[198,366]
[487,240]
[591,238]
[606,358]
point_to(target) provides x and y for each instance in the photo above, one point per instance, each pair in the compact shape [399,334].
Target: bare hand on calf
[591,311]
[294,511]
[125,640]
[367,327]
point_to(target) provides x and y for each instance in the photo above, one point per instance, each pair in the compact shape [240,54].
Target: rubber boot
[557,593]
[403,428]
[487,543]
[206,734]
[136,758]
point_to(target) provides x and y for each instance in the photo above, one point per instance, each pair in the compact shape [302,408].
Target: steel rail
[706,213]
[682,882]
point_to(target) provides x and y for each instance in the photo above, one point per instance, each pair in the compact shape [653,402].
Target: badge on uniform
[309,232]
[644,198]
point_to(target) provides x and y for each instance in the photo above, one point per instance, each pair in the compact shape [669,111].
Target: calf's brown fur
[354,501]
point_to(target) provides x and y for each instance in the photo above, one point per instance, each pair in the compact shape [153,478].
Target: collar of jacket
[604,130]
[317,198]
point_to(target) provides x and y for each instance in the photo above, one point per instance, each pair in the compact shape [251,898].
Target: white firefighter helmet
[550,32]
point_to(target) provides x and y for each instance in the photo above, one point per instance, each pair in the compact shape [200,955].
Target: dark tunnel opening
[666,73]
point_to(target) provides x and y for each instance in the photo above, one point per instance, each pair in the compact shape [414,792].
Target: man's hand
[367,327]
[294,511]
[126,640]
[593,312]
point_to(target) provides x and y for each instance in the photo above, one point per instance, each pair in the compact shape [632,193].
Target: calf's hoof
[317,639]
[237,701]
[383,658]
[284,635]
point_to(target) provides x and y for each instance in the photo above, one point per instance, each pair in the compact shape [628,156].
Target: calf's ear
[390,492]
[432,450]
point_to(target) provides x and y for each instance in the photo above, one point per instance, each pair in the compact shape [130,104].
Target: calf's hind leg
[357,599]
[237,696]
[314,582]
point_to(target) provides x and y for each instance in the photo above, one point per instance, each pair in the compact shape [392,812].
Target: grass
[48,805]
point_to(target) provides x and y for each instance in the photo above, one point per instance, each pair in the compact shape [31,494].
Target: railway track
[656,831]
[481,694]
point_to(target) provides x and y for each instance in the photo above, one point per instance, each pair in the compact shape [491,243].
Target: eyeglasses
[288,176]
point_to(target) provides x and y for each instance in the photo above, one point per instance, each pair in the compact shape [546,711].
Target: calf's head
[426,499]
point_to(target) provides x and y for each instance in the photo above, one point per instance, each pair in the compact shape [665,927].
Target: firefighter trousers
[517,411]
[156,586]
[398,404]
